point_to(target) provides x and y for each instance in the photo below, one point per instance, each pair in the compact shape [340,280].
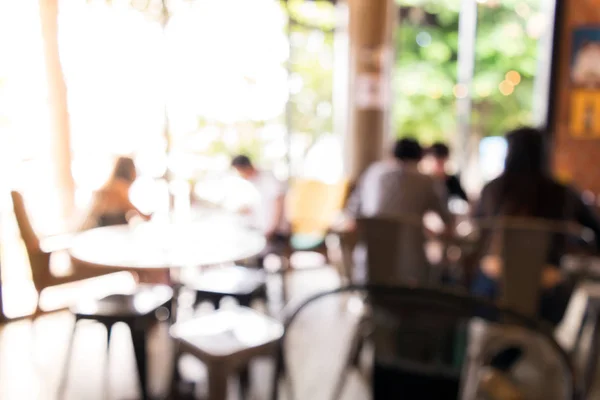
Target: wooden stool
[226,341]
[137,310]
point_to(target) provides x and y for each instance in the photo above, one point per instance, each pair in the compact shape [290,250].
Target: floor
[32,357]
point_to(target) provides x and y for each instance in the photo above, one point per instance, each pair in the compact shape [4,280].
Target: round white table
[154,245]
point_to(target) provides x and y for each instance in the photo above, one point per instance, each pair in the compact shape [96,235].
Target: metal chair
[402,239]
[404,324]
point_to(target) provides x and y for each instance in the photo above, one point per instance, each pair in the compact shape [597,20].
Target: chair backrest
[523,246]
[395,252]
[38,259]
[28,235]
[312,205]
[431,348]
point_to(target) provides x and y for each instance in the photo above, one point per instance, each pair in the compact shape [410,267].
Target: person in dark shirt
[441,153]
[526,189]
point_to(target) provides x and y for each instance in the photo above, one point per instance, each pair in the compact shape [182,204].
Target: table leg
[244,376]
[217,382]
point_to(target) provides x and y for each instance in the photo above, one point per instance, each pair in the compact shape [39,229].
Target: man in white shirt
[266,212]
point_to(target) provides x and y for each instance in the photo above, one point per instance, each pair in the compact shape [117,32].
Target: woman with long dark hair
[527,189]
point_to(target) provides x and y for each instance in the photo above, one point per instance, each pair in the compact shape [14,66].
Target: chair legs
[139,346]
[592,361]
[65,374]
[217,382]
[279,376]
[244,377]
[353,359]
[138,337]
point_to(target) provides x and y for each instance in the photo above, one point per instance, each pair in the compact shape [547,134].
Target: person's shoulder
[490,189]
[266,177]
[377,168]
[491,185]
[381,165]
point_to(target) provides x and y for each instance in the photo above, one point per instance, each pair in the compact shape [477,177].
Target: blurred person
[441,153]
[394,188]
[111,204]
[527,189]
[266,213]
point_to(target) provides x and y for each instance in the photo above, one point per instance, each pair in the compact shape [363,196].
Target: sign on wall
[584,120]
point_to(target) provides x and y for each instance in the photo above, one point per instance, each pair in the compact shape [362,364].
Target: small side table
[226,341]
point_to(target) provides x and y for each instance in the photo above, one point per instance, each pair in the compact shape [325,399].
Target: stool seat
[145,300]
[226,341]
[232,280]
[243,284]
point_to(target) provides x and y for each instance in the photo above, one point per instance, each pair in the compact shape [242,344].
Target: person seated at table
[441,153]
[266,212]
[111,204]
[526,189]
[394,188]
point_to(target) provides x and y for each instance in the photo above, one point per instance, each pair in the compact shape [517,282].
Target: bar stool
[137,310]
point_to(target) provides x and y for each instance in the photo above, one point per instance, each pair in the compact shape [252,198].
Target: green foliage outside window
[425,74]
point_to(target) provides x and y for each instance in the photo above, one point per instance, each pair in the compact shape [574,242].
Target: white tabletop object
[154,245]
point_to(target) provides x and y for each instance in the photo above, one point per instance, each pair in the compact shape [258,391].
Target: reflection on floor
[32,358]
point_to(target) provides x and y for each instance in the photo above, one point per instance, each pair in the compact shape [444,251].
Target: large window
[425,78]
[113,58]
[315,147]
[498,66]
[506,57]
[185,90]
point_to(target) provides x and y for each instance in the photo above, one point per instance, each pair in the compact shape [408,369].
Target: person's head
[440,154]
[527,153]
[525,183]
[243,165]
[125,170]
[408,150]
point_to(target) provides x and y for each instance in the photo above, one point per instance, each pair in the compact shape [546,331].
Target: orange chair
[39,255]
[311,207]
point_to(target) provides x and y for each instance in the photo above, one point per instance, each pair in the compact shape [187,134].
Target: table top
[153,245]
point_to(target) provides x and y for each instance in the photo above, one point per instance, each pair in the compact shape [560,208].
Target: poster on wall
[585,83]
[371,92]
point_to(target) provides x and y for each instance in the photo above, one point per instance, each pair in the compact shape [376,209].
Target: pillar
[57,96]
[574,114]
[372,24]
